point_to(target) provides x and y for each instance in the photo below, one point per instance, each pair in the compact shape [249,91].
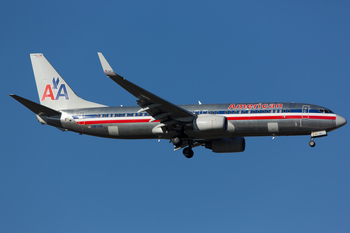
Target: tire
[188,152]
[312,143]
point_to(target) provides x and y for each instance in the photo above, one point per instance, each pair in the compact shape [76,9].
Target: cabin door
[304,115]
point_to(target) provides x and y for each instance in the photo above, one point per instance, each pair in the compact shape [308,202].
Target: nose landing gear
[322,133]
[312,143]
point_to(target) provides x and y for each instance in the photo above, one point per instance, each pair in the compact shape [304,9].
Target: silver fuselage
[248,119]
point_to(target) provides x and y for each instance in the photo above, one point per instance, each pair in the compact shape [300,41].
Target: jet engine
[210,123]
[226,145]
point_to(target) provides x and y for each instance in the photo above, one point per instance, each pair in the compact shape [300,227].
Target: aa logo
[62,91]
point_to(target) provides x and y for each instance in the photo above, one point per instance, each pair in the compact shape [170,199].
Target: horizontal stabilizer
[38,109]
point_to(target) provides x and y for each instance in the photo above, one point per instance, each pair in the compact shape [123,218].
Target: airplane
[218,127]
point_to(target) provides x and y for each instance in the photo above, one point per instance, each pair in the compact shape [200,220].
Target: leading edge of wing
[147,99]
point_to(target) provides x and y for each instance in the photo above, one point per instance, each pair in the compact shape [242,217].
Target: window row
[213,112]
[243,111]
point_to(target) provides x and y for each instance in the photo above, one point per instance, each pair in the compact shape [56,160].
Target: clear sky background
[183,51]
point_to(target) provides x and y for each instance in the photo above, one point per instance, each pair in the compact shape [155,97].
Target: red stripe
[96,122]
[240,118]
[323,117]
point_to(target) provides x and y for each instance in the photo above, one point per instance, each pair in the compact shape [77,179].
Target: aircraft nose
[340,121]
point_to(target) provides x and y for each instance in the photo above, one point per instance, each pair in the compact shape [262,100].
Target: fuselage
[248,119]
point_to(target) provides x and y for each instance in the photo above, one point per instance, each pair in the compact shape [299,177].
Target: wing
[160,109]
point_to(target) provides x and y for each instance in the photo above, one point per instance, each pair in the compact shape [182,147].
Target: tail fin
[53,91]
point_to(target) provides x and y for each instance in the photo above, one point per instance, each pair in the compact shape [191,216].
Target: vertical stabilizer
[53,90]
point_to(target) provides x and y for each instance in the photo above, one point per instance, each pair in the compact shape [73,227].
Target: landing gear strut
[188,152]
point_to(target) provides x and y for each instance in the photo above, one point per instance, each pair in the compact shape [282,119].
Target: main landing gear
[188,152]
[178,143]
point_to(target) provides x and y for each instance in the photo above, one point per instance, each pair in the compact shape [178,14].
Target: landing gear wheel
[176,141]
[312,143]
[188,152]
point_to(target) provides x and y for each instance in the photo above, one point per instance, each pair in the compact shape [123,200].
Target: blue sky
[183,51]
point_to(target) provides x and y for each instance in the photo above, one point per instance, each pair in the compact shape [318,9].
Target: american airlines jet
[219,127]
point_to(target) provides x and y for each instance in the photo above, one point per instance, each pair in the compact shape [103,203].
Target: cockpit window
[325,110]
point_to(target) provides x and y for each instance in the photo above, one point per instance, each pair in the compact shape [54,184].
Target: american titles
[254,106]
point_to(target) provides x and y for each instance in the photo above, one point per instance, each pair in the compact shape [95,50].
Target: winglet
[105,66]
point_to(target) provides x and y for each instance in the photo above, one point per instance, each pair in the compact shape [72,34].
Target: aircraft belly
[267,128]
[280,127]
[137,130]
[121,131]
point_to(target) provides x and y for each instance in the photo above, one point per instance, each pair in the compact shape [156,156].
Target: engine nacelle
[210,123]
[226,145]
